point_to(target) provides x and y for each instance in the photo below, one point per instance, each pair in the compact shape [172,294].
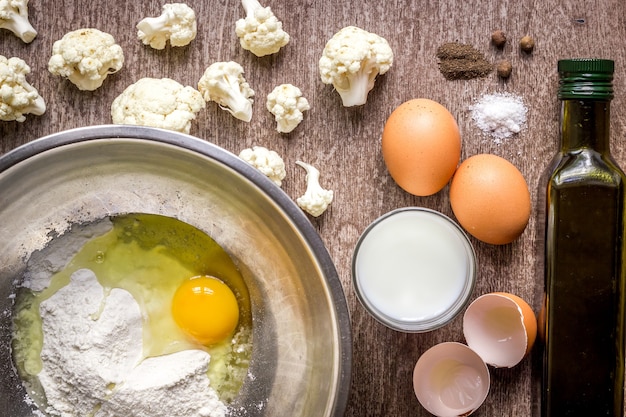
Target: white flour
[501,115]
[46,262]
[92,360]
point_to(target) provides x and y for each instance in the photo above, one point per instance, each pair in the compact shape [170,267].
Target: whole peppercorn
[498,38]
[527,44]
[504,69]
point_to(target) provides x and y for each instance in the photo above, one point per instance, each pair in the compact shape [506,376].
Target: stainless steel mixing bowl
[301,360]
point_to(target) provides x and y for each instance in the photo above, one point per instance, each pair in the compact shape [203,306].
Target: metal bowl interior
[301,357]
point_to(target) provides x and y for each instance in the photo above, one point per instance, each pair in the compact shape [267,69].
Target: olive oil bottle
[583,363]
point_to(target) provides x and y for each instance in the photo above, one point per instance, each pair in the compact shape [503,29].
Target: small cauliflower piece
[315,200]
[224,83]
[155,102]
[14,17]
[86,57]
[177,23]
[286,103]
[17,96]
[260,32]
[351,60]
[266,161]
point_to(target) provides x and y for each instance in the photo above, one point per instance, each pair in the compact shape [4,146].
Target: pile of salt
[501,115]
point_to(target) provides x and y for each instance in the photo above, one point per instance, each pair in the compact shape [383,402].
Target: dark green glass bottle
[583,364]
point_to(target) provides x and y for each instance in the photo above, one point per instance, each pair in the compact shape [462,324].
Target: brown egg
[490,199]
[421,146]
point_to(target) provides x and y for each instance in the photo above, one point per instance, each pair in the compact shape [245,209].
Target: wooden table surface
[344,143]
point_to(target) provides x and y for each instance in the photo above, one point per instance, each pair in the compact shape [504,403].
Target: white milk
[413,265]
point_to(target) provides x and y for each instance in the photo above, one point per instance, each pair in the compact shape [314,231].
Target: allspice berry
[504,69]
[498,38]
[527,44]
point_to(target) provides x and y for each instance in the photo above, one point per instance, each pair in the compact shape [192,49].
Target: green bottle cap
[586,78]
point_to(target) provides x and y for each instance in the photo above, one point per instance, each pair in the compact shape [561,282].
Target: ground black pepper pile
[459,61]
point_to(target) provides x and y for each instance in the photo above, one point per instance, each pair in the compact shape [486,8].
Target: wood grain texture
[345,142]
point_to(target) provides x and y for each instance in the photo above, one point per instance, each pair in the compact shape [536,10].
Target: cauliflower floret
[162,103]
[351,60]
[17,97]
[315,200]
[223,83]
[260,32]
[14,17]
[266,161]
[286,103]
[176,23]
[86,56]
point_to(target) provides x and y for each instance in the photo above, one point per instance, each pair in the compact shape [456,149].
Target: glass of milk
[414,269]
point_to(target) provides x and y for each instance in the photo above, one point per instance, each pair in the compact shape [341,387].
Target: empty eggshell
[501,328]
[450,379]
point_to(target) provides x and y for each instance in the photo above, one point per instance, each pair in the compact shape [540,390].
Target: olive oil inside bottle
[583,369]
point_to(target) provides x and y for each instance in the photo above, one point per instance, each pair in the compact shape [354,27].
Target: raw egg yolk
[206,309]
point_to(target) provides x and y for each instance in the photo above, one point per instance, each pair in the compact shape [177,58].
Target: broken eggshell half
[450,379]
[501,328]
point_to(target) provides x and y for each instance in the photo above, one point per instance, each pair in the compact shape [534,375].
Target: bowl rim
[229,159]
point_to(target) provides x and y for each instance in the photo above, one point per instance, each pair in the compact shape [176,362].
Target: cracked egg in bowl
[145,272]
